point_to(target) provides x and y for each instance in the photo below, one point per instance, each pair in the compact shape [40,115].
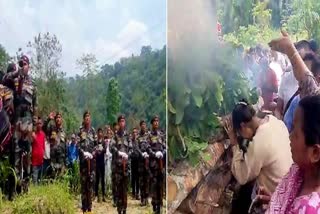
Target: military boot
[154,208]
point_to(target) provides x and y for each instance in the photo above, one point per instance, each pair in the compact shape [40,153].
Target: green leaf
[197,99]
[171,108]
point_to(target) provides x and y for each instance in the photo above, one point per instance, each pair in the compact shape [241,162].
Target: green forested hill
[133,86]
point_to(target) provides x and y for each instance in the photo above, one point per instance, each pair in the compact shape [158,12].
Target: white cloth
[107,173]
[268,157]
[289,85]
[88,155]
[145,155]
[46,154]
[159,154]
[123,155]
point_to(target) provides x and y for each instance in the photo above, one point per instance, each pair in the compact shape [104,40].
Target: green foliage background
[137,85]
[196,98]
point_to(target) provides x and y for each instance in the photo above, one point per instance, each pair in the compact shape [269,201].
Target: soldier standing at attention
[88,137]
[135,164]
[99,153]
[144,133]
[157,153]
[25,107]
[121,150]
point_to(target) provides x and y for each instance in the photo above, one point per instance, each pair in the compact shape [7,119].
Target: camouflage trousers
[86,180]
[156,181]
[113,183]
[121,182]
[22,150]
[144,179]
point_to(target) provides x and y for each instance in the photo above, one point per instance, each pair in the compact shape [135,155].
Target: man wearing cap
[88,137]
[157,152]
[25,106]
[121,150]
[143,168]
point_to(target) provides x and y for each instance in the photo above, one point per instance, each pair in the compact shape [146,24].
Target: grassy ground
[106,207]
[51,198]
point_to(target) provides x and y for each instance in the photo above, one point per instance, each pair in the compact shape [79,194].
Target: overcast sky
[110,29]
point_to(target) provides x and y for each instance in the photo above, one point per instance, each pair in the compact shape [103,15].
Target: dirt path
[106,207]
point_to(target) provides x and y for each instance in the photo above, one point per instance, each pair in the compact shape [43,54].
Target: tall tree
[45,62]
[88,63]
[113,100]
[4,58]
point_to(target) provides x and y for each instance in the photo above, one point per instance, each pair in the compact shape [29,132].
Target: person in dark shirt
[99,152]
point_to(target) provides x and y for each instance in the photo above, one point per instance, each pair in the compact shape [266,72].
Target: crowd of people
[39,148]
[276,144]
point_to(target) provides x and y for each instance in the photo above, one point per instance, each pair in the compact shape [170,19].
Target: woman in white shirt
[267,158]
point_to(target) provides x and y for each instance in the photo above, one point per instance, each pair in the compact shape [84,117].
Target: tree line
[133,86]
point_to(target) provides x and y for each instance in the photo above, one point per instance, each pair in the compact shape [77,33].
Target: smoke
[192,32]
[197,61]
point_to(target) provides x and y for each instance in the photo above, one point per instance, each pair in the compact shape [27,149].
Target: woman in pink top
[299,190]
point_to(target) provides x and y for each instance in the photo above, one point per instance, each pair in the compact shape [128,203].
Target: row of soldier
[143,152]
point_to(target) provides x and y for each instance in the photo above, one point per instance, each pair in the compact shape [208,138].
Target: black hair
[303,44]
[309,56]
[100,130]
[58,114]
[243,112]
[313,45]
[311,119]
[142,121]
[85,113]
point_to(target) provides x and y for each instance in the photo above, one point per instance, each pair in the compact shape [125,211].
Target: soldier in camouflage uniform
[135,155]
[99,153]
[57,155]
[58,146]
[143,168]
[56,126]
[121,150]
[157,153]
[25,104]
[88,137]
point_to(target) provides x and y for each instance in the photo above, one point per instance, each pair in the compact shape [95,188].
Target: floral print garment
[307,204]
